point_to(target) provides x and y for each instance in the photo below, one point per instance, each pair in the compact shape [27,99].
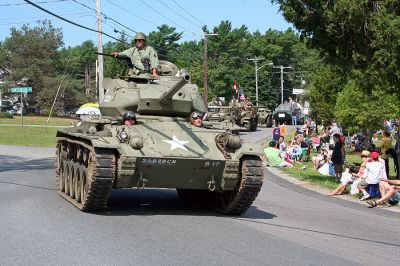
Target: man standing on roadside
[385,146]
[337,157]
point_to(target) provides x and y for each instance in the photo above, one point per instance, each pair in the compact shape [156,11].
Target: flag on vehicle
[235,86]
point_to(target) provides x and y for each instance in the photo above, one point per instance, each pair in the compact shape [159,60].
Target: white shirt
[373,172]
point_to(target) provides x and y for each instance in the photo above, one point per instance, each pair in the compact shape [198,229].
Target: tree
[323,93]
[31,55]
[165,41]
[361,38]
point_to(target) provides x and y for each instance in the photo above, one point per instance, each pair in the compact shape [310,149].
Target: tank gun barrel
[184,79]
[121,57]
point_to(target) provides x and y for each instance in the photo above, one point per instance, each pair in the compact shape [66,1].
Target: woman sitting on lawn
[349,178]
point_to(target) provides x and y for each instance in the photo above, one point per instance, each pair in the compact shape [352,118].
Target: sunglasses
[364,156]
[139,40]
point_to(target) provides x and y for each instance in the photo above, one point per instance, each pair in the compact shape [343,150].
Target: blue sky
[142,15]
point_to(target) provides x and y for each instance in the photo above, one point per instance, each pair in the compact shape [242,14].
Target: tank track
[84,174]
[234,202]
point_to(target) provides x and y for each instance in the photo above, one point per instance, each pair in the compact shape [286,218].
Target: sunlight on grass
[40,137]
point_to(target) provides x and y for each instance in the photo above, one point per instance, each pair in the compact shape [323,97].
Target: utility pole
[281,68]
[256,59]
[206,64]
[100,51]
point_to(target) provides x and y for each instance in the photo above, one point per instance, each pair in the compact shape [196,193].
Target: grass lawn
[31,136]
[38,120]
[313,176]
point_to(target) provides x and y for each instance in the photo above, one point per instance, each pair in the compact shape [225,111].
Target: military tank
[208,165]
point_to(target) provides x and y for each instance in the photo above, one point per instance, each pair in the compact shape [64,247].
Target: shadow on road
[125,202]
[12,163]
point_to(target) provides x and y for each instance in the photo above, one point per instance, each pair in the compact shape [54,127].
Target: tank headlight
[136,142]
[123,136]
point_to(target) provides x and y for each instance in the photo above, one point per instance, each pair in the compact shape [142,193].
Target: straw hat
[365,153]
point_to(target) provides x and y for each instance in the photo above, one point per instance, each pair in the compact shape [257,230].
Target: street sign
[298,91]
[22,89]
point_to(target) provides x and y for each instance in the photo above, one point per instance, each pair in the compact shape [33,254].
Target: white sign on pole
[298,91]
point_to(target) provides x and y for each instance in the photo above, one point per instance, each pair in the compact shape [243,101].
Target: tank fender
[248,149]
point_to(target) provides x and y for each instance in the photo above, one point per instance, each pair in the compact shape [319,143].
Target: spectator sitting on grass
[315,141]
[319,158]
[273,156]
[348,178]
[392,193]
[282,145]
[373,174]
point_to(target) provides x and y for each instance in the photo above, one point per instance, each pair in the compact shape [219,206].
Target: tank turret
[166,95]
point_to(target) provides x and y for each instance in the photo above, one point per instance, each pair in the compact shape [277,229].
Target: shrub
[6,115]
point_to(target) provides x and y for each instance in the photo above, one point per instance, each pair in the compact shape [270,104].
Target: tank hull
[174,154]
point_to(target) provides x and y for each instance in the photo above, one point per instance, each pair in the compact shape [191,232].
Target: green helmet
[140,36]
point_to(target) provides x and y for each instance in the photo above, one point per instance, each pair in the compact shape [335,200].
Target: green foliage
[323,93]
[361,38]
[6,115]
[31,55]
[165,41]
[112,67]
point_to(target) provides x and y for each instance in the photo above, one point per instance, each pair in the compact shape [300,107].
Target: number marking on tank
[212,164]
[158,161]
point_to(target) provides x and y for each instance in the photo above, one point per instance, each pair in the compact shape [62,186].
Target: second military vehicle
[284,113]
[265,117]
[206,164]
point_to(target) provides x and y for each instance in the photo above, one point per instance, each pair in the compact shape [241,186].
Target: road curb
[282,179]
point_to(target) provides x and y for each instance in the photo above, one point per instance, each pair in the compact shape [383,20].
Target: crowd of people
[370,178]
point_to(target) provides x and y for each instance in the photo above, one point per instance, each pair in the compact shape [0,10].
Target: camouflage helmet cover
[140,36]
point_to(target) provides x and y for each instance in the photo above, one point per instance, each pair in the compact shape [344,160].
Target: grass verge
[31,136]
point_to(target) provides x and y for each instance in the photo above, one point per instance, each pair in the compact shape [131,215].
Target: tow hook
[211,184]
[141,180]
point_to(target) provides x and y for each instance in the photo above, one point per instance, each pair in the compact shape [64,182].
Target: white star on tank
[176,143]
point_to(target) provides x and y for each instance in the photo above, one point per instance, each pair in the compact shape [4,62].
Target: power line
[84,27]
[160,14]
[127,11]
[31,21]
[188,12]
[69,21]
[41,17]
[39,2]
[105,16]
[196,25]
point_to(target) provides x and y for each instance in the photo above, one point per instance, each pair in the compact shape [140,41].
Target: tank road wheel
[84,174]
[254,123]
[237,202]
[268,122]
[84,185]
[67,177]
[71,182]
[77,183]
[249,125]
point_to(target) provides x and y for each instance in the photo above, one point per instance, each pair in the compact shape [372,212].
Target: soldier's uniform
[144,59]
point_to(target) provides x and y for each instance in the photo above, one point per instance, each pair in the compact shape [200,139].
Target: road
[286,225]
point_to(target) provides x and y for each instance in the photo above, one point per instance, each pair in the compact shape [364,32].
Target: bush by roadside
[6,115]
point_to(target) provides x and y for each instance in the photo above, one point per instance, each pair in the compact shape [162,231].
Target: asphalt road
[286,225]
